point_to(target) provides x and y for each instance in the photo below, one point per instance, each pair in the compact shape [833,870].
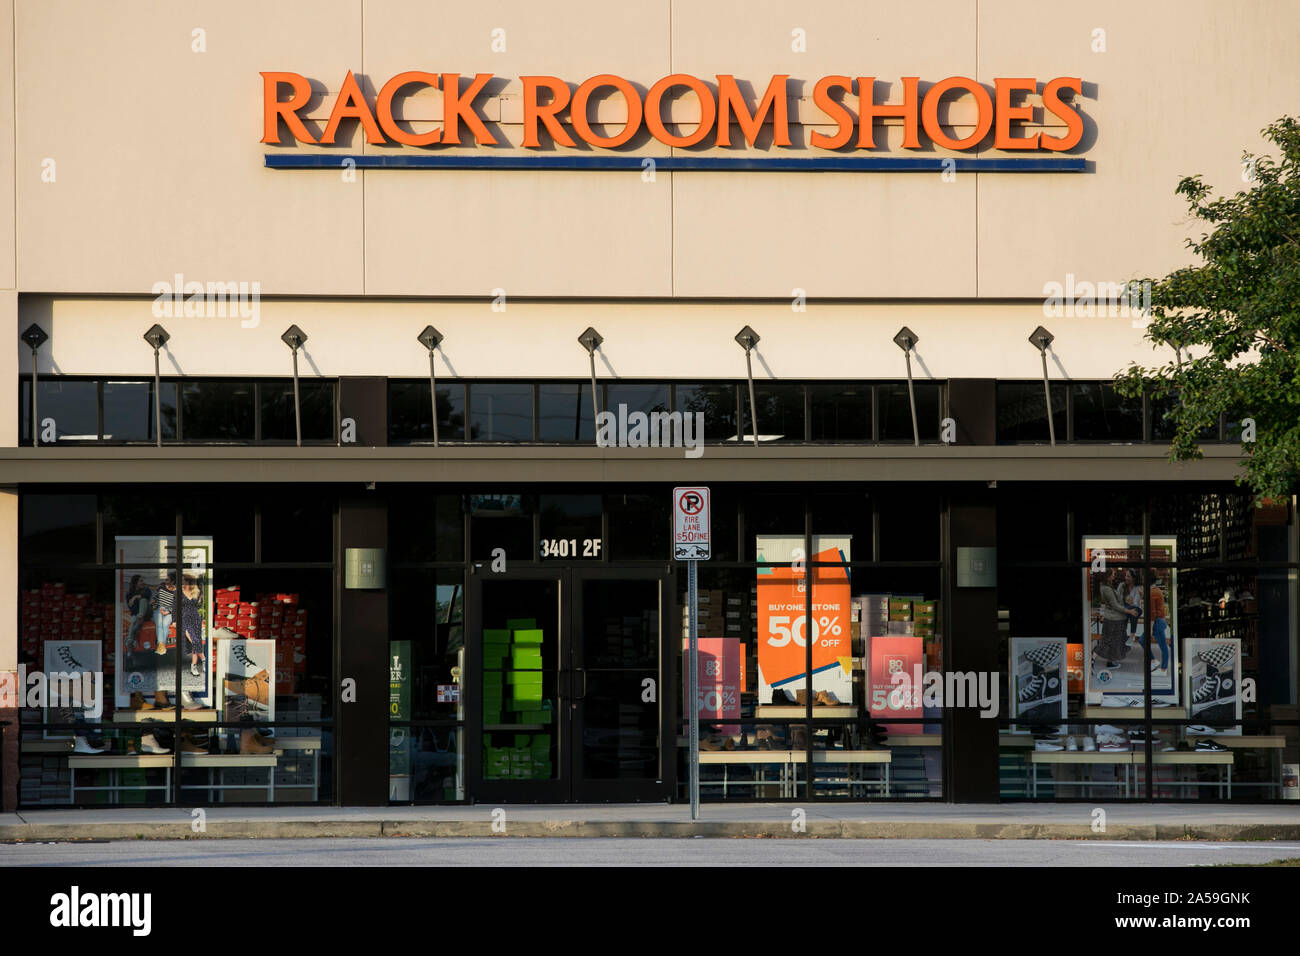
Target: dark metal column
[971,625]
[361,727]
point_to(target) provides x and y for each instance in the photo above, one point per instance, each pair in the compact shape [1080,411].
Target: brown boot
[190,746]
[826,699]
[160,700]
[251,742]
[256,688]
[139,703]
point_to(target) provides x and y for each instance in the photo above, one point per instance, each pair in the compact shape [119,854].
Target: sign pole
[693,681]
[691,544]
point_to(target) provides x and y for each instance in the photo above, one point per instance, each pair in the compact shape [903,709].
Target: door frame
[662,788]
[567,787]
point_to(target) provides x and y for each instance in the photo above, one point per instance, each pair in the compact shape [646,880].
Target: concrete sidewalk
[858,820]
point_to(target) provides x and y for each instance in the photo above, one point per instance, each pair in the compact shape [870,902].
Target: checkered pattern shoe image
[1043,655]
[1219,656]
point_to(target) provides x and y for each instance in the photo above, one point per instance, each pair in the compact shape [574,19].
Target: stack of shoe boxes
[49,613]
[271,616]
[900,616]
[496,654]
[513,694]
[717,618]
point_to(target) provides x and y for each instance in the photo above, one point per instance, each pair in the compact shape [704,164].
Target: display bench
[1275,743]
[760,760]
[215,764]
[1128,760]
[788,762]
[301,745]
[799,712]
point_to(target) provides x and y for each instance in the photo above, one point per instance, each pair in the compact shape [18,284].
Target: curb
[816,829]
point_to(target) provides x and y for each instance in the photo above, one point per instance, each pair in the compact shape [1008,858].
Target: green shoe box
[519,623]
[526,658]
[524,679]
[527,636]
[496,635]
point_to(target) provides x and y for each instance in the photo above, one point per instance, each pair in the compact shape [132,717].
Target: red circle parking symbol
[691,503]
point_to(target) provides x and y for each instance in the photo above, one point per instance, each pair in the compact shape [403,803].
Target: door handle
[581,695]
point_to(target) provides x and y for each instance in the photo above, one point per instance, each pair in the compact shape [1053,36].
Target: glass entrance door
[570,688]
[619,703]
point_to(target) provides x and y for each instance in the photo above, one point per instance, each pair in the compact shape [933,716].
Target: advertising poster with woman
[159,616]
[1130,622]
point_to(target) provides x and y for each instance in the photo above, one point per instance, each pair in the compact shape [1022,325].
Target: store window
[500,412]
[1022,412]
[129,411]
[410,413]
[68,410]
[780,410]
[426,711]
[840,413]
[218,411]
[717,403]
[894,412]
[241,648]
[1100,413]
[864,739]
[564,413]
[1199,629]
[316,399]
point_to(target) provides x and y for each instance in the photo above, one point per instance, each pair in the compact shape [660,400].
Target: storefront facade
[368,565]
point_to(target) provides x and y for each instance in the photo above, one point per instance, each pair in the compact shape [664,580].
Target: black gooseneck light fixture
[431,338]
[748,338]
[590,340]
[1040,338]
[35,337]
[295,337]
[906,340]
[157,337]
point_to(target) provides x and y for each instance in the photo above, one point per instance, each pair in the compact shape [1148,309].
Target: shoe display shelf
[1133,763]
[293,775]
[797,711]
[167,716]
[215,764]
[855,763]
[1275,744]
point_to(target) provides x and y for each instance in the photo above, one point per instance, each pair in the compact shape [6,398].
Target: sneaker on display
[1108,730]
[1210,746]
[1089,745]
[1113,746]
[1071,743]
[1201,730]
[1049,745]
[83,746]
[1033,689]
[149,745]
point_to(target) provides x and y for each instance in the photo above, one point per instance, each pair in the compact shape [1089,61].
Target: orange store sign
[725,116]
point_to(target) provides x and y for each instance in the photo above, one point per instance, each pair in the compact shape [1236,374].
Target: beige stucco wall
[160,169]
[532,339]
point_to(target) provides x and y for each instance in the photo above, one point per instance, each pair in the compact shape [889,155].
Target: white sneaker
[1107,730]
[1071,743]
[1049,745]
[1089,745]
[149,745]
[83,746]
[1200,730]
